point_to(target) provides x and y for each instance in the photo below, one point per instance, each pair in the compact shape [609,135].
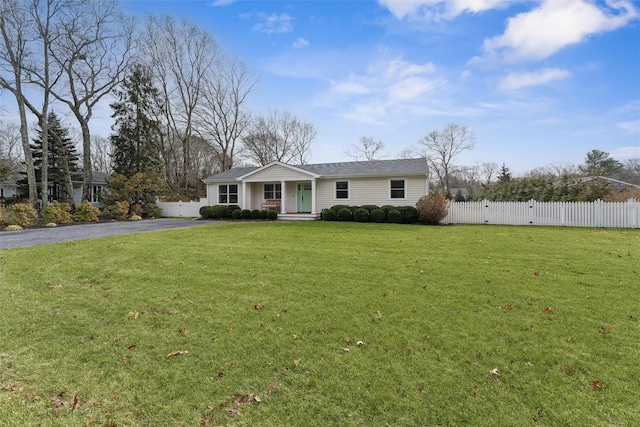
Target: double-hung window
[342,189]
[272,191]
[397,188]
[228,193]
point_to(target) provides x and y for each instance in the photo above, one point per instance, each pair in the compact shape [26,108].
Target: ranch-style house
[308,189]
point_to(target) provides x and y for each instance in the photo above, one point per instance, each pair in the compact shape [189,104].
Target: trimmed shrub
[394,216]
[345,214]
[230,210]
[135,217]
[272,215]
[153,210]
[361,215]
[387,208]
[263,214]
[409,214]
[255,214]
[337,208]
[13,227]
[236,214]
[2,214]
[22,214]
[432,208]
[59,213]
[118,210]
[329,215]
[378,215]
[203,211]
[219,211]
[86,213]
[370,208]
[246,214]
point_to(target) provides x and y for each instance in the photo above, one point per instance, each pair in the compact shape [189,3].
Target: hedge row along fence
[371,213]
[235,212]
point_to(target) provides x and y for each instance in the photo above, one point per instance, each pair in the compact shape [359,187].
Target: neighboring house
[616,183]
[98,187]
[311,188]
[8,188]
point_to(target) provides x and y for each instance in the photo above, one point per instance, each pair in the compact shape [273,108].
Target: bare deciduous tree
[222,118]
[367,148]
[16,31]
[279,137]
[93,50]
[489,170]
[10,143]
[181,56]
[100,154]
[441,148]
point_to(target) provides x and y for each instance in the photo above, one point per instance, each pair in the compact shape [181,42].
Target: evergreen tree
[136,143]
[505,174]
[63,161]
[600,163]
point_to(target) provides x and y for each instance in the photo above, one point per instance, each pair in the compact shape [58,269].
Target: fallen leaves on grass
[75,404]
[12,388]
[131,315]
[178,353]
[605,329]
[494,372]
[597,385]
[239,399]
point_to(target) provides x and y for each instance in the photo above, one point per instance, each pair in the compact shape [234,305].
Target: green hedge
[371,213]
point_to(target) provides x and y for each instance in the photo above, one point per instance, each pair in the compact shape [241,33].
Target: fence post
[485,211]
[532,211]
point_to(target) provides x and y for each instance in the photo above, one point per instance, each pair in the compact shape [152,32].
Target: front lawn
[318,324]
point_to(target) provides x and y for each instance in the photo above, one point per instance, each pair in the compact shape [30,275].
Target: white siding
[370,191]
[277,173]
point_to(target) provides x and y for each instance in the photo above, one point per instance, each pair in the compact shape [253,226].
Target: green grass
[274,311]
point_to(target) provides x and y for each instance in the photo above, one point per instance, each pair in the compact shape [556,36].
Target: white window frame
[335,189]
[277,188]
[404,189]
[227,193]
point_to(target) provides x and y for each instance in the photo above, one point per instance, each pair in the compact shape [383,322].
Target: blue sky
[540,81]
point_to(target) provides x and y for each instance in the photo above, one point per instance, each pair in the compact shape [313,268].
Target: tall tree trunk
[86,161]
[28,158]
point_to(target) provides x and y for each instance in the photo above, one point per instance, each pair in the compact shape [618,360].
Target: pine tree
[136,142]
[63,161]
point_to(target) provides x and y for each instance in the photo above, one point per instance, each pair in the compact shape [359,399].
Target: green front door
[304,197]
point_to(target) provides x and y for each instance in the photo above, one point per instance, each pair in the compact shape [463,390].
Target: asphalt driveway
[43,236]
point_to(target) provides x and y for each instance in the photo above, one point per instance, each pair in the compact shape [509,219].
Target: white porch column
[313,196]
[244,195]
[283,200]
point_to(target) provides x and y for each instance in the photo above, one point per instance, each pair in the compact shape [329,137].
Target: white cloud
[626,153]
[631,127]
[300,43]
[221,2]
[435,10]
[387,90]
[556,24]
[274,24]
[516,81]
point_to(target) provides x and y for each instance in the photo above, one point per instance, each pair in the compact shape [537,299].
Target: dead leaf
[529,364]
[345,350]
[597,385]
[605,329]
[12,388]
[548,310]
[270,388]
[360,343]
[184,332]
[536,273]
[131,315]
[132,346]
[258,307]
[494,371]
[75,404]
[234,411]
[178,353]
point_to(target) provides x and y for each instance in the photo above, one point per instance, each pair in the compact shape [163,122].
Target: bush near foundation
[361,215]
[432,208]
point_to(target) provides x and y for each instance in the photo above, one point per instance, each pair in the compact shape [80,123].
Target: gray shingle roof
[395,167]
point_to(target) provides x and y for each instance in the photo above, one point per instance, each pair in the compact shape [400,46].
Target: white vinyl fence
[574,214]
[185,209]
